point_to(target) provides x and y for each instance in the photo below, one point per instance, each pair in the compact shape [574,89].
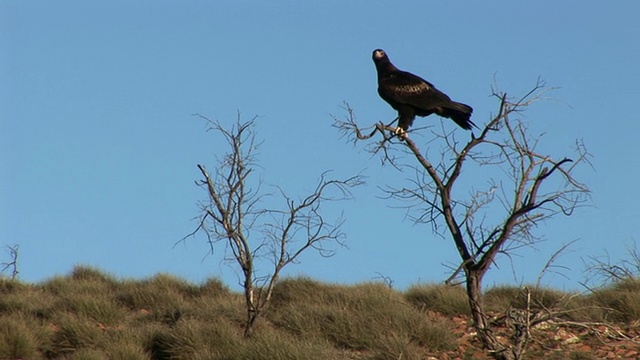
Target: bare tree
[12,264]
[234,216]
[602,270]
[515,188]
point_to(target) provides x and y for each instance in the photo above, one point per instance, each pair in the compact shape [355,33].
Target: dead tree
[233,217]
[516,187]
[602,270]
[12,264]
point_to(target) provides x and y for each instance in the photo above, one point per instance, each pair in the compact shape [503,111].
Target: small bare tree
[602,270]
[516,187]
[234,216]
[12,264]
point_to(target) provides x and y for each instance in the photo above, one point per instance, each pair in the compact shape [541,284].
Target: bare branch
[602,270]
[550,264]
[348,127]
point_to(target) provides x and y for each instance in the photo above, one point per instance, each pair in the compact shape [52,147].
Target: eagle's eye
[379,54]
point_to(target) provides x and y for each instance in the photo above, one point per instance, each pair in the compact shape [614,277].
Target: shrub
[89,354]
[299,290]
[621,300]
[159,293]
[500,298]
[97,307]
[195,339]
[397,347]
[127,351]
[272,345]
[173,344]
[445,299]
[9,286]
[91,274]
[18,338]
[361,317]
[72,334]
[213,287]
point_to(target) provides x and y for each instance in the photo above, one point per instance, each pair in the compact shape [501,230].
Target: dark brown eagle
[411,95]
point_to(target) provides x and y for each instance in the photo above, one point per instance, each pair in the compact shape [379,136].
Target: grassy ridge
[90,315]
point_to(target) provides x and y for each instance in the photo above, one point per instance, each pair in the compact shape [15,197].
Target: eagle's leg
[406,114]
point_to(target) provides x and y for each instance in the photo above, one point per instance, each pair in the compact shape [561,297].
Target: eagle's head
[382,61]
[379,54]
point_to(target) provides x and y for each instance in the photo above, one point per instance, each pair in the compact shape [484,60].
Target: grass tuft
[157,294]
[173,344]
[72,334]
[500,298]
[360,317]
[18,338]
[213,287]
[91,274]
[274,345]
[445,299]
[89,354]
[620,300]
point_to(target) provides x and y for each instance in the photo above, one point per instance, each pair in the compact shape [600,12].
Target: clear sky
[99,145]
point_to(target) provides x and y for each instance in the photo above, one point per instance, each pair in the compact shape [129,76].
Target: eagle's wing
[406,88]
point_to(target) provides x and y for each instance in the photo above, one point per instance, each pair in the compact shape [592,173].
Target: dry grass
[91,315]
[445,299]
[500,298]
[617,302]
[368,316]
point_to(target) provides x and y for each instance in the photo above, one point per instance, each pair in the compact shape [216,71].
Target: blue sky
[99,144]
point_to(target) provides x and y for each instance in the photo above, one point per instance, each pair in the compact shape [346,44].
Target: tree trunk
[252,315]
[252,311]
[480,318]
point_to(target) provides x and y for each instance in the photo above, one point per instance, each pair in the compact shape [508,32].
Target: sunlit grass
[445,299]
[500,298]
[621,301]
[92,315]
[368,316]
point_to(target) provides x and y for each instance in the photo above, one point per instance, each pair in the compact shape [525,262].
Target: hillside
[91,315]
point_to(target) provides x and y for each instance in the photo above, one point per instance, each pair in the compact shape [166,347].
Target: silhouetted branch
[348,127]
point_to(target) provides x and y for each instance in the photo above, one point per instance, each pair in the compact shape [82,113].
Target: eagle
[412,95]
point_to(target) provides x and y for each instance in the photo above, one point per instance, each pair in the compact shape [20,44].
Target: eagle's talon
[400,133]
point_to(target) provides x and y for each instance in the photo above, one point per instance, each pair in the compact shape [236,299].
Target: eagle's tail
[460,113]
